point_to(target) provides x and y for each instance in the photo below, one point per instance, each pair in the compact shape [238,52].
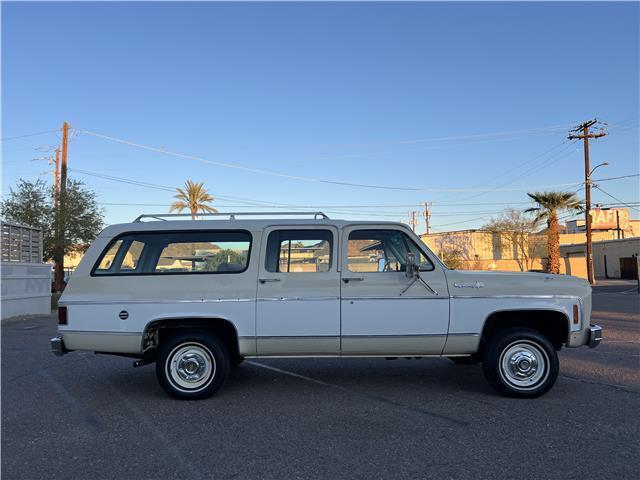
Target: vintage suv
[197,297]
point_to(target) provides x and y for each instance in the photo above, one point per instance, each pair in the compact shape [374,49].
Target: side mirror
[410,265]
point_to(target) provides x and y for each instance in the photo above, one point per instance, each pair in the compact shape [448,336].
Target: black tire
[192,365]
[533,368]
[236,361]
[470,360]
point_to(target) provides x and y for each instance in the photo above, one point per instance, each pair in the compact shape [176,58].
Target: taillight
[62,315]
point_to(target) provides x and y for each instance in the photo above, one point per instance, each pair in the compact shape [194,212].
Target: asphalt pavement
[95,417]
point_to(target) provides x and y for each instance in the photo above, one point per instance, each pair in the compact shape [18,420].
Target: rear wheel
[192,365]
[520,362]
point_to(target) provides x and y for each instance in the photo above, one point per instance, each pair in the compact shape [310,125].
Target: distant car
[197,297]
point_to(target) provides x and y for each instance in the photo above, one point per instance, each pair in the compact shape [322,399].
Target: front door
[298,301]
[383,313]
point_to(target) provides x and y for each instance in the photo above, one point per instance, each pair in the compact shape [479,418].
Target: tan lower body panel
[412,345]
[112,342]
[458,344]
[296,346]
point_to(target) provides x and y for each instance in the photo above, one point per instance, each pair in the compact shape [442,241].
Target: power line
[616,199]
[617,178]
[6,139]
[456,137]
[301,178]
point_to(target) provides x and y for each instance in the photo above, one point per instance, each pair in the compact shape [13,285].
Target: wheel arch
[551,322]
[156,330]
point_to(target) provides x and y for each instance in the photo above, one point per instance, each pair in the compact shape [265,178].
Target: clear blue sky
[347,92]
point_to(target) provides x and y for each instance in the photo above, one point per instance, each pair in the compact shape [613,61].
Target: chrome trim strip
[573,297]
[124,302]
[398,336]
[281,337]
[396,298]
[98,332]
[464,334]
[296,299]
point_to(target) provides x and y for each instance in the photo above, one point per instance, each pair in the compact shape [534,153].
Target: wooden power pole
[581,132]
[56,189]
[60,215]
[427,217]
[413,221]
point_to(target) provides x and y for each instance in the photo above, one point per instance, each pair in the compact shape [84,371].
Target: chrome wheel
[524,365]
[190,367]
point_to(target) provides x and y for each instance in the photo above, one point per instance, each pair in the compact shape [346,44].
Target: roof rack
[231,215]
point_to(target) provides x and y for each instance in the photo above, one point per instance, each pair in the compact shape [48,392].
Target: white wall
[26,289]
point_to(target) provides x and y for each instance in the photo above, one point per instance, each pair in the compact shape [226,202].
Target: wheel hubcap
[524,365]
[191,367]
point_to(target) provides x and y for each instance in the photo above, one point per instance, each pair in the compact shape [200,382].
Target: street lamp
[604,164]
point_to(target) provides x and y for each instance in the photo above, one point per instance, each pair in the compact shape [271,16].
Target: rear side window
[165,253]
[299,251]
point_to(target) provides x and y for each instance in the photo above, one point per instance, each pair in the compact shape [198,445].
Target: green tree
[31,203]
[550,204]
[514,229]
[193,197]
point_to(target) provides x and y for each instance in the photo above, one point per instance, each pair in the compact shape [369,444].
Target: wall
[26,289]
[612,250]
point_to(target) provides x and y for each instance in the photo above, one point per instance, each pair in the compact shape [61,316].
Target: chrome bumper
[57,346]
[595,335]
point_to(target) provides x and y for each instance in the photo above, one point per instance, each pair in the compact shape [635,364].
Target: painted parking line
[361,394]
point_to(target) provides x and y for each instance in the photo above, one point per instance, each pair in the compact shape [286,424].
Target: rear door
[383,311]
[298,300]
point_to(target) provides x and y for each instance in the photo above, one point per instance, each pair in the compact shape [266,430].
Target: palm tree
[549,205]
[194,197]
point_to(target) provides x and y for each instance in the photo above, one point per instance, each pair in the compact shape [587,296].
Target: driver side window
[382,251]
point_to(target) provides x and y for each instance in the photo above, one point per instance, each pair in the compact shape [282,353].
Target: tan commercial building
[482,250]
[611,258]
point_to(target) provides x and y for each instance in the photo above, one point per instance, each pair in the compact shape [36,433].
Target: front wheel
[520,362]
[192,365]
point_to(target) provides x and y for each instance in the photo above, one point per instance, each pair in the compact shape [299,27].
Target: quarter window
[180,252]
[382,251]
[299,251]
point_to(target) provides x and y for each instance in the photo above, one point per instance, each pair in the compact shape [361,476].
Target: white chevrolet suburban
[197,297]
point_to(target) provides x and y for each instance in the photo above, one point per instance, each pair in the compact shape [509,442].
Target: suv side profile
[197,297]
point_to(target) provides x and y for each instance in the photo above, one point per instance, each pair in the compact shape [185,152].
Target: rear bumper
[57,346]
[595,336]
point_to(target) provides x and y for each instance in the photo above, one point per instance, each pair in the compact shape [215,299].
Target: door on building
[629,268]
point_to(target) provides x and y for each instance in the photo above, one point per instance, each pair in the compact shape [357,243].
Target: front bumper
[595,336]
[57,346]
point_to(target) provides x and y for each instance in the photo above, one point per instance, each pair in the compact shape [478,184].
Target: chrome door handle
[352,279]
[265,280]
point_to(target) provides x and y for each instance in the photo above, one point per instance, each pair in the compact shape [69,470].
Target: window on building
[382,251]
[299,251]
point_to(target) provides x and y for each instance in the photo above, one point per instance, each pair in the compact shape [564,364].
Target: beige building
[483,250]
[611,258]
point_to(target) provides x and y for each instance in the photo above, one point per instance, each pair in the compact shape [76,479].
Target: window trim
[406,237]
[312,228]
[167,274]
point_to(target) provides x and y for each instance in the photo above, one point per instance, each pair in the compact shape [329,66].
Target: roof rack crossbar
[230,215]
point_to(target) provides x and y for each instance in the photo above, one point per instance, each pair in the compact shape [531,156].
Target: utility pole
[56,174]
[412,220]
[427,216]
[60,212]
[585,135]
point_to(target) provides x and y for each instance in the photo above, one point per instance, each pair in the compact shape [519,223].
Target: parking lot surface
[95,417]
